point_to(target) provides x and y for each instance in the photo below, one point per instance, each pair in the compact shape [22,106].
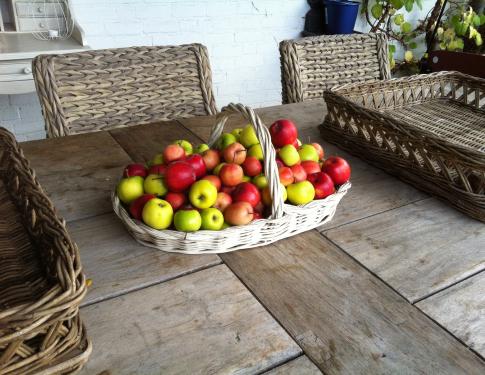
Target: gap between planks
[148,285]
[411,303]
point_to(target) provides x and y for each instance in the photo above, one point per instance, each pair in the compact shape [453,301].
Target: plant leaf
[406,27]
[376,11]
[397,4]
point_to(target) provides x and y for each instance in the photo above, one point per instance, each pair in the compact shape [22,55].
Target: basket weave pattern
[285,220]
[106,89]
[309,66]
[41,283]
[428,130]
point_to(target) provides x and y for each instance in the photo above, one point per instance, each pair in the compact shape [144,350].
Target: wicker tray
[428,130]
[285,220]
[41,279]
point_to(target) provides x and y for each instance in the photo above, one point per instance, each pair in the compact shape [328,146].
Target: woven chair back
[309,66]
[105,89]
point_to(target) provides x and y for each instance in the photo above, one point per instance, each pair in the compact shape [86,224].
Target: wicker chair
[309,66]
[106,89]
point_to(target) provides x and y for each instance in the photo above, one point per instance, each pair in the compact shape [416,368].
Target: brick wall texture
[242,37]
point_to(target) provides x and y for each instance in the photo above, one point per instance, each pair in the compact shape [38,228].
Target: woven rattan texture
[286,220]
[106,89]
[41,279]
[428,130]
[309,66]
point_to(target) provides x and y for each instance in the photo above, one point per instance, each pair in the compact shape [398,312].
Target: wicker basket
[285,220]
[41,279]
[428,130]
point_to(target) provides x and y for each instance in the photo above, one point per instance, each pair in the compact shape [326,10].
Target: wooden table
[394,284]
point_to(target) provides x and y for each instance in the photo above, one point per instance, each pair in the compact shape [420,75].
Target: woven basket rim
[399,124]
[118,207]
[284,220]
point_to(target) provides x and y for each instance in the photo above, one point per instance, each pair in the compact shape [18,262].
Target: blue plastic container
[340,16]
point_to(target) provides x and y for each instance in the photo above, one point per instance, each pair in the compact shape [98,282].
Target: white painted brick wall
[242,37]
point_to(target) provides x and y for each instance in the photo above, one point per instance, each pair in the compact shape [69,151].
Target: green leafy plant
[460,24]
[391,18]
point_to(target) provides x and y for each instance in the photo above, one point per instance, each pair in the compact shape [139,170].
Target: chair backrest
[105,89]
[309,66]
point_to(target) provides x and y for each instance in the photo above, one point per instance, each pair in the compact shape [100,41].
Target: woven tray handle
[269,153]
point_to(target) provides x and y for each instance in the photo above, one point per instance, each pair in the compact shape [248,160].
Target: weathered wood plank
[344,318]
[78,172]
[203,323]
[299,366]
[117,264]
[418,249]
[142,142]
[461,310]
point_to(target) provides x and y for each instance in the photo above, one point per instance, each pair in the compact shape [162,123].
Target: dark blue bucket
[340,16]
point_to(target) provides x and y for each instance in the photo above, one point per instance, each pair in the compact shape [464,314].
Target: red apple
[299,173]
[159,169]
[279,163]
[286,176]
[179,176]
[211,159]
[283,132]
[252,166]
[257,216]
[319,149]
[338,169]
[135,170]
[136,207]
[246,192]
[310,167]
[235,153]
[259,208]
[228,189]
[216,181]
[239,213]
[223,200]
[322,183]
[173,153]
[176,200]
[198,164]
[231,174]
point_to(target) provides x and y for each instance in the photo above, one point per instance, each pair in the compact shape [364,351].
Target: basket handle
[269,153]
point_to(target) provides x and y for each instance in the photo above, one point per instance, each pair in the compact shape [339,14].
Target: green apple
[186,145]
[260,181]
[201,148]
[248,136]
[217,169]
[155,184]
[130,188]
[212,219]
[246,179]
[301,193]
[187,220]
[157,213]
[225,140]
[289,155]
[202,194]
[256,151]
[237,133]
[157,159]
[308,152]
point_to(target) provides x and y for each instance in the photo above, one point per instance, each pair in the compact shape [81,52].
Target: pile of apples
[188,189]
